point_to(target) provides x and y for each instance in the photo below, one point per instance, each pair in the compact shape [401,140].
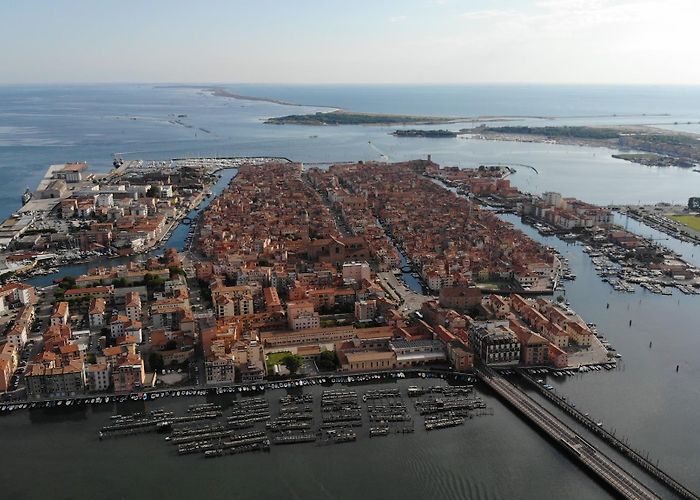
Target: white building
[133,306]
[59,316]
[357,271]
[437,281]
[98,377]
[365,310]
[105,200]
[301,315]
[305,321]
[552,199]
[220,369]
[17,337]
[96,313]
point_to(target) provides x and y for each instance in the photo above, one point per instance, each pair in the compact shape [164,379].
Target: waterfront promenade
[598,463]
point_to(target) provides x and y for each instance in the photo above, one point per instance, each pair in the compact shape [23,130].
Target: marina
[340,400]
[244,424]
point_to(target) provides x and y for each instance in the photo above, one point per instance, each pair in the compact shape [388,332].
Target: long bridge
[617,478]
[623,447]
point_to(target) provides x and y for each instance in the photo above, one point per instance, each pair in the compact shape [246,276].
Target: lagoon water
[492,457]
[44,125]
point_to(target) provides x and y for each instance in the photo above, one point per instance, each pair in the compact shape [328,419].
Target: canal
[644,399]
[175,240]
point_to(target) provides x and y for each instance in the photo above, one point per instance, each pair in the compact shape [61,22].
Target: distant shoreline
[342,117]
[219,92]
[222,92]
[646,145]
[432,134]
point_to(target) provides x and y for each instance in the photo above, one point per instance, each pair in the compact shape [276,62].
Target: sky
[352,41]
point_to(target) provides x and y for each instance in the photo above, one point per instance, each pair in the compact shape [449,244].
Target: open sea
[491,457]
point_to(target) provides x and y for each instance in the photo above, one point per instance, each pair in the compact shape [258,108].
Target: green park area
[275,358]
[692,221]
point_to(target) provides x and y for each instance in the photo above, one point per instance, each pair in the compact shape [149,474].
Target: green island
[553,132]
[651,146]
[424,133]
[340,117]
[653,160]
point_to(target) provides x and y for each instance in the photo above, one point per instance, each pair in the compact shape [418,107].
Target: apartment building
[494,343]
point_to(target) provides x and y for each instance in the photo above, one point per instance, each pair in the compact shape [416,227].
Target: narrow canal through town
[176,239]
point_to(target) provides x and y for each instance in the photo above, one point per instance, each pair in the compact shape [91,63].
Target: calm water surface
[491,457]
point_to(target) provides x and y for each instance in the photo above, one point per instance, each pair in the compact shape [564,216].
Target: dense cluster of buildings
[538,322]
[559,212]
[287,262]
[125,211]
[97,335]
[447,237]
[566,213]
[480,182]
[274,260]
[273,291]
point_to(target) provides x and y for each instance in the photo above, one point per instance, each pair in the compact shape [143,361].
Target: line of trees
[564,131]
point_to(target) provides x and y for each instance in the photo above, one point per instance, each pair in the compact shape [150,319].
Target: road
[600,464]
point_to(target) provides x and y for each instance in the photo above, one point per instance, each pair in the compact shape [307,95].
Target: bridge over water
[624,447]
[573,443]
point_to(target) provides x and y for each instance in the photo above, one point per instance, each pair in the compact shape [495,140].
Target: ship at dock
[26,196]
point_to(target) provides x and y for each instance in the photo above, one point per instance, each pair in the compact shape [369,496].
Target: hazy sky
[352,41]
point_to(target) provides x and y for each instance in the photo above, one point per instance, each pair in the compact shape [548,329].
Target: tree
[328,360]
[560,299]
[175,271]
[153,282]
[120,282]
[205,290]
[292,362]
[155,362]
[67,283]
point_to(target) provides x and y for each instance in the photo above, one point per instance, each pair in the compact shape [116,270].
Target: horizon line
[383,84]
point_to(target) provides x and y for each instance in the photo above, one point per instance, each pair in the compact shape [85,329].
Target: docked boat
[26,196]
[378,431]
